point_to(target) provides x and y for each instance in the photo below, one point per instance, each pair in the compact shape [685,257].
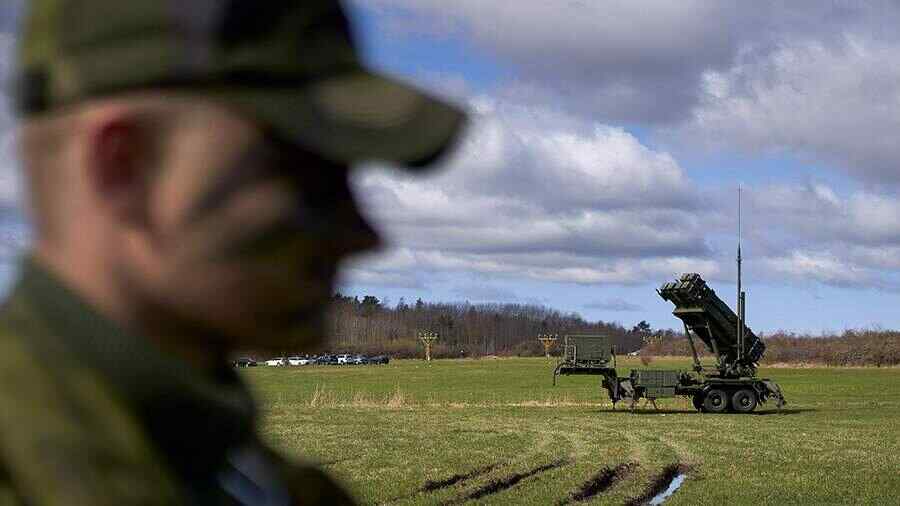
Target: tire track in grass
[659,484]
[508,482]
[434,485]
[599,483]
[661,481]
[431,486]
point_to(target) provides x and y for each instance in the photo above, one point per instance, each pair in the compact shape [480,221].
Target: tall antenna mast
[740,294]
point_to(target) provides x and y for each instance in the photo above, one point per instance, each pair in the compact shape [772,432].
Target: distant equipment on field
[585,354]
[730,385]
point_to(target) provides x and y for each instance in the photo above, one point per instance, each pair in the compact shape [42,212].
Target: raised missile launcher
[737,350]
[731,385]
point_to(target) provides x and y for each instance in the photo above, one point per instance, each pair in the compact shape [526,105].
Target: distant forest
[368,325]
[869,347]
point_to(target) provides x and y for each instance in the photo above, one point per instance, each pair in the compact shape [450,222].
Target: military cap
[291,64]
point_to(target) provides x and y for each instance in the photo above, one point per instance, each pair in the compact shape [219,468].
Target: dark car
[245,362]
[358,360]
[326,360]
[379,359]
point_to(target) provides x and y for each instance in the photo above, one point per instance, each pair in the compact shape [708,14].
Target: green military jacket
[92,415]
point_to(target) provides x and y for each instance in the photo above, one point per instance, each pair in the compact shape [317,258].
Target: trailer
[729,385]
[589,354]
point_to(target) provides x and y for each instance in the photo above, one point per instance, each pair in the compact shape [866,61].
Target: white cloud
[837,102]
[535,193]
[613,58]
[794,232]
[874,219]
[810,232]
[538,194]
[557,267]
[648,61]
[822,267]
[814,213]
[816,79]
[886,258]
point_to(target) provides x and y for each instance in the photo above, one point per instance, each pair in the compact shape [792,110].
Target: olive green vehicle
[731,384]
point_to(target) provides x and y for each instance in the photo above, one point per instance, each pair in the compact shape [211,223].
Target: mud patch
[665,494]
[599,483]
[501,484]
[431,486]
[659,489]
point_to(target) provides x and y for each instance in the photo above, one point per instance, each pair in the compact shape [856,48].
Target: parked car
[343,359]
[379,359]
[299,361]
[276,362]
[326,360]
[359,360]
[244,362]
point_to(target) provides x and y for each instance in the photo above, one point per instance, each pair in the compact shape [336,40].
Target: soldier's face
[249,233]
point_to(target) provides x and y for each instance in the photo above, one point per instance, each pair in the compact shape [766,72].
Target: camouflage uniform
[93,415]
[90,414]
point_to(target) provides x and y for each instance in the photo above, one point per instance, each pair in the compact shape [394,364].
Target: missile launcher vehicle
[731,384]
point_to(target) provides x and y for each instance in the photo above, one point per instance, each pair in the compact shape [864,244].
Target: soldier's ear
[119,151]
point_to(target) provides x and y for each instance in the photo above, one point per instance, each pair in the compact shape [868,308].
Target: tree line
[372,326]
[369,325]
[868,347]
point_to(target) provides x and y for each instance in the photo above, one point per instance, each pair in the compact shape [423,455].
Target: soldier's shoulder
[8,494]
[65,437]
[24,378]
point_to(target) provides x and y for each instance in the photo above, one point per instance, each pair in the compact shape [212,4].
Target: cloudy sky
[607,144]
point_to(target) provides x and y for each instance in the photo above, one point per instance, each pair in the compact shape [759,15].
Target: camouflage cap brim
[355,117]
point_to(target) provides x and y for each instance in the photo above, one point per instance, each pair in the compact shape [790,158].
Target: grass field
[497,432]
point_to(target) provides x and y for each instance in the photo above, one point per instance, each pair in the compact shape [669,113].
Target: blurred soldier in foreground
[187,176]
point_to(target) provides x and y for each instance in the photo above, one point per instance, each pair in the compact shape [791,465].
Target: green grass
[386,431]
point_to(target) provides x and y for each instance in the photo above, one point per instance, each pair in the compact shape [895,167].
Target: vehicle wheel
[744,401]
[698,401]
[716,401]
